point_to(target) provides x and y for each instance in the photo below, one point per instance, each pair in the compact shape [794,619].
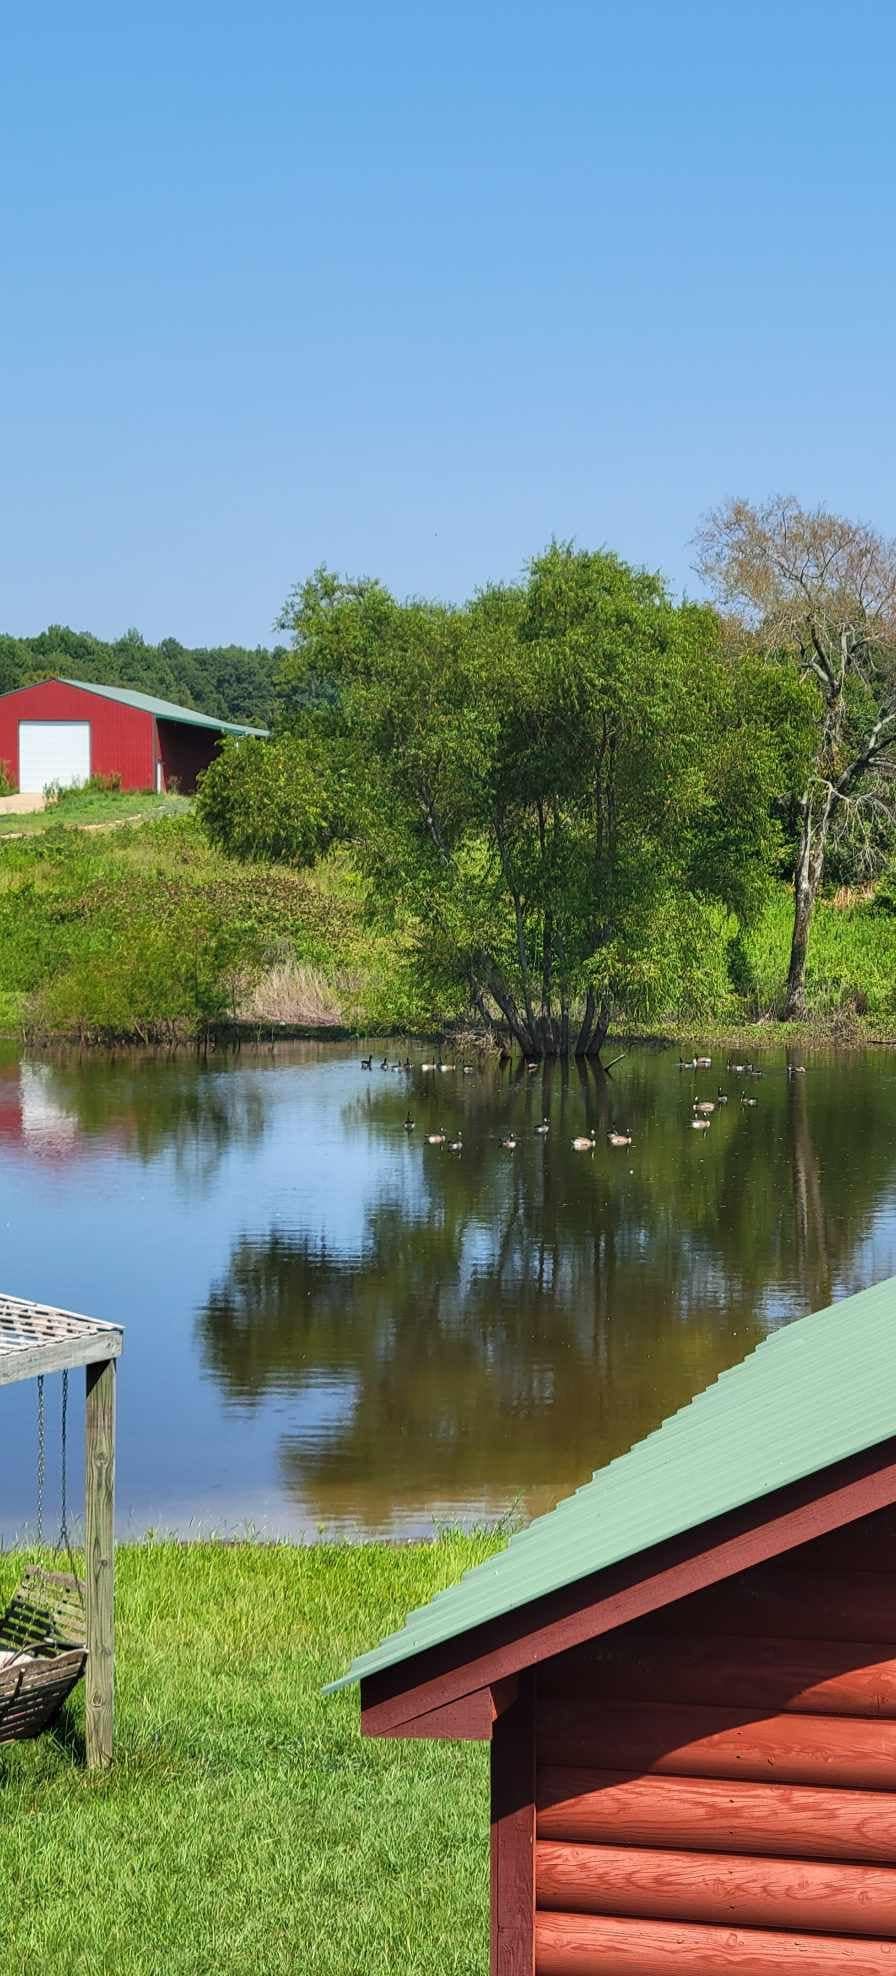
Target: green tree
[13,660]
[820,591]
[562,785]
[270,799]
[228,681]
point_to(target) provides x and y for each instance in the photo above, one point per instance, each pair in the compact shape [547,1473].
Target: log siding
[715,1785]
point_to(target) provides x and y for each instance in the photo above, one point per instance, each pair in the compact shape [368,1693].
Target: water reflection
[508,1322]
[330,1321]
[69,1110]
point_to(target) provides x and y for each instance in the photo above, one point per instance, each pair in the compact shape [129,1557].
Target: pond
[335,1326]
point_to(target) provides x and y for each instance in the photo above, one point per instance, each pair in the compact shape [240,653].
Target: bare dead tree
[821,591]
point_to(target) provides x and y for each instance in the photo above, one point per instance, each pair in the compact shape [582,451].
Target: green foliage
[270,799]
[6,784]
[552,789]
[228,1760]
[150,931]
[231,682]
[851,970]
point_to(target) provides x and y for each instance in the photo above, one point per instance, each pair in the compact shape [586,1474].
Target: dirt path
[110,823]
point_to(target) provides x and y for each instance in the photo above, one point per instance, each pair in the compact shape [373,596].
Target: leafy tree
[228,681]
[270,799]
[559,784]
[820,591]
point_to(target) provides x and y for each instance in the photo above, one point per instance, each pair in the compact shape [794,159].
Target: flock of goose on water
[702,1109]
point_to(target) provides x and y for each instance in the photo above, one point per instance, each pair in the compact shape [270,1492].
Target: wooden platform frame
[39,1338]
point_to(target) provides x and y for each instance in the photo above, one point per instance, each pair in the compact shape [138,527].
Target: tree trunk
[803,907]
[806,881]
[601,1028]
[519,1030]
[586,1025]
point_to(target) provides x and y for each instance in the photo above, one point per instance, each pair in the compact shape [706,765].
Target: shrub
[265,799]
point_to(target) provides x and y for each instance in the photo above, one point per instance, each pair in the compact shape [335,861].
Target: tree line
[569,794]
[231,682]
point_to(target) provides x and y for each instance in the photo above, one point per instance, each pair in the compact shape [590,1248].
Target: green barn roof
[147,703]
[815,1392]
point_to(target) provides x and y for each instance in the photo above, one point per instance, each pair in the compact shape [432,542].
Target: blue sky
[410,289]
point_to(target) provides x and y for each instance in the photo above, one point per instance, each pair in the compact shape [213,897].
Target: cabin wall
[715,1787]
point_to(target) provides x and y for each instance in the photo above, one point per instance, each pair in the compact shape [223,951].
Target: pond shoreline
[764,1032]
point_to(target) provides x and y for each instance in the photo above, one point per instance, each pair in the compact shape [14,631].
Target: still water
[332,1325]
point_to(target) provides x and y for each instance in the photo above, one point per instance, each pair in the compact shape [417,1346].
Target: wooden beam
[812,1677]
[682,1739]
[99,1452]
[605,1945]
[468,1720]
[513,1838]
[704,1814]
[60,1355]
[645,1583]
[661,1885]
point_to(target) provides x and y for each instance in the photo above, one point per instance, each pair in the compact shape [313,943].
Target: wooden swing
[43,1632]
[56,1626]
[43,1651]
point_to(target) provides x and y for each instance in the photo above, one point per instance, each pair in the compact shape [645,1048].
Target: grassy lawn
[247,1828]
[83,807]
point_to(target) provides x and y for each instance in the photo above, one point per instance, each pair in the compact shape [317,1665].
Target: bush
[269,800]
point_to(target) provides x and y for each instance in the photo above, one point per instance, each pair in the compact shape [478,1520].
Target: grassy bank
[90,809]
[149,934]
[247,1829]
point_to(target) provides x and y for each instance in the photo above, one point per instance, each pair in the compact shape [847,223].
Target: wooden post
[99,1453]
[513,1836]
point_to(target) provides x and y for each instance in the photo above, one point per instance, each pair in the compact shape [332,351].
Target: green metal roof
[162,709]
[817,1391]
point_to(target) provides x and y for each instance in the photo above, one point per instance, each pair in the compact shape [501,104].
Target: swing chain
[41,1456]
[64,1543]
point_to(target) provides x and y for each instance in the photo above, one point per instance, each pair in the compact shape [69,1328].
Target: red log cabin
[687,1675]
[66,730]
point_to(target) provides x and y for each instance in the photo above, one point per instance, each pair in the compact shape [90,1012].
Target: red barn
[65,730]
[687,1674]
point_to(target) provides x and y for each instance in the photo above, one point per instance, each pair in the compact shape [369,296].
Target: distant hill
[229,681]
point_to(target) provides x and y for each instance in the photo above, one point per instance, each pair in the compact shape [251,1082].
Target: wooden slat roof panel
[814,1393]
[39,1337]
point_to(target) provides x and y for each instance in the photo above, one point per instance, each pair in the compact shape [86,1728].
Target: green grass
[247,1829]
[851,969]
[84,807]
[149,934]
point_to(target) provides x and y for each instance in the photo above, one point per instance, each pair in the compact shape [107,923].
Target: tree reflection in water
[511,1322]
[143,1106]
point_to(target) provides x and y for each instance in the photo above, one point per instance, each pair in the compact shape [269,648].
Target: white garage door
[53,751]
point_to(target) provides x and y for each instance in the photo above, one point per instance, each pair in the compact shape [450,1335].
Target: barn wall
[716,1787]
[185,751]
[122,739]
